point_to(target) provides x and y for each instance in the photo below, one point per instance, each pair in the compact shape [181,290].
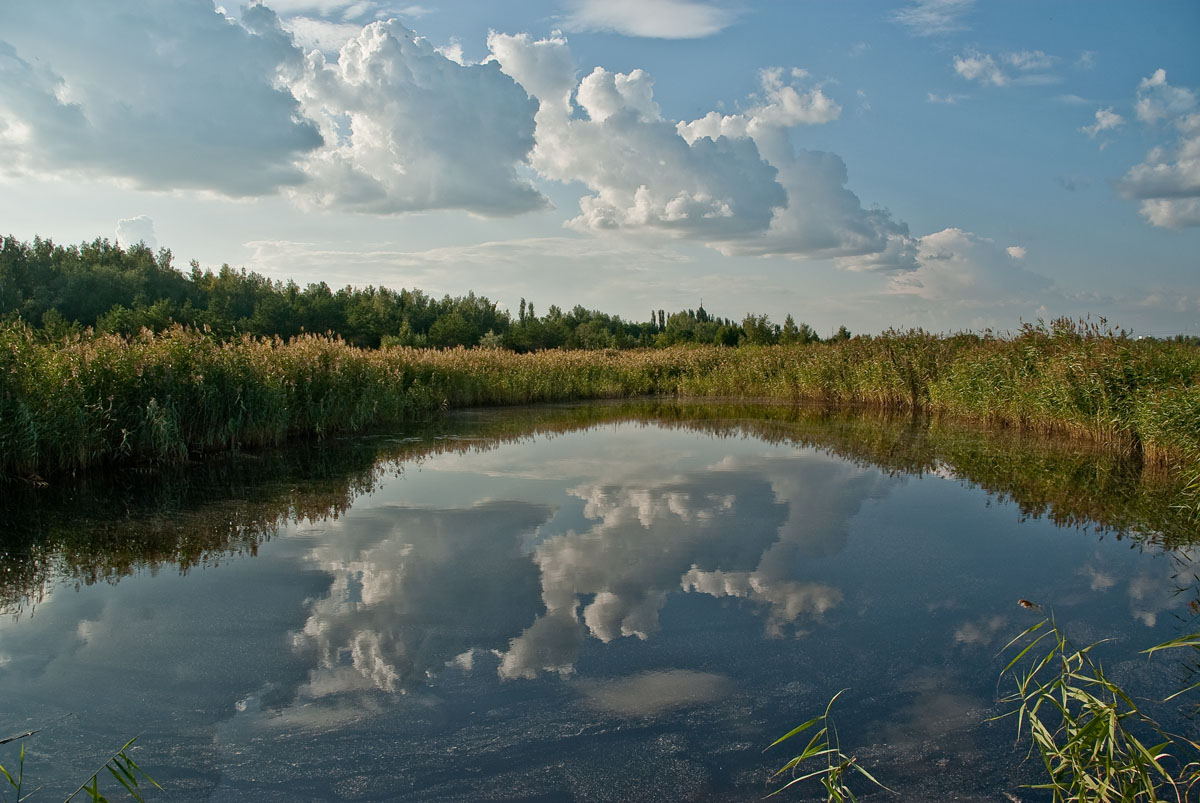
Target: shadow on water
[104,527]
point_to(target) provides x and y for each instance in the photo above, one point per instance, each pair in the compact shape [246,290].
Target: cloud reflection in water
[416,591]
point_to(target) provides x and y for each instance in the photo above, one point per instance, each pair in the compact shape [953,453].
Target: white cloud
[139,229]
[317,34]
[1071,99]
[1106,120]
[980,67]
[1029,60]
[1167,182]
[644,176]
[408,129]
[1087,60]
[1018,67]
[1158,100]
[933,17]
[179,96]
[1171,213]
[163,95]
[962,268]
[360,11]
[949,99]
[784,103]
[733,182]
[661,19]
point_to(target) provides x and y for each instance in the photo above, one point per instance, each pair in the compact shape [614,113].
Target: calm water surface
[630,611]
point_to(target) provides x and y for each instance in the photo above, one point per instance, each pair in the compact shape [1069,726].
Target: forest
[60,290]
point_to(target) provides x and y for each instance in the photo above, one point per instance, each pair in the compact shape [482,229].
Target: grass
[95,400]
[823,748]
[1096,743]
[120,765]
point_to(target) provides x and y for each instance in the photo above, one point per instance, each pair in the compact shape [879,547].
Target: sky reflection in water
[626,612]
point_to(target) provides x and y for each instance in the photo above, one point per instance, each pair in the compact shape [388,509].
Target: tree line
[105,287]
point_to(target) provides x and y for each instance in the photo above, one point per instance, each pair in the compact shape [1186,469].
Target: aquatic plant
[1095,742]
[825,748]
[120,765]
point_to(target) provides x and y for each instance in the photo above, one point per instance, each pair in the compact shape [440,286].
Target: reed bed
[94,400]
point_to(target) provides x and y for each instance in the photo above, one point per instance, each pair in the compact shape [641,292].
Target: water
[630,610]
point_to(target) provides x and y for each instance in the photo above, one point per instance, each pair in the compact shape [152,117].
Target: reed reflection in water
[579,601]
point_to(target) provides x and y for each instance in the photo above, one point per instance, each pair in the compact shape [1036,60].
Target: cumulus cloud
[1106,120]
[164,95]
[1167,181]
[661,19]
[731,181]
[1018,67]
[408,129]
[139,229]
[1158,100]
[644,176]
[963,268]
[934,17]
[179,95]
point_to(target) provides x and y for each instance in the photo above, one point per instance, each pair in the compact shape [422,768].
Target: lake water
[597,603]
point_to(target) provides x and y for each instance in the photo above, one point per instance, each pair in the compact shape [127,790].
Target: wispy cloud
[949,99]
[658,19]
[934,17]
[1016,67]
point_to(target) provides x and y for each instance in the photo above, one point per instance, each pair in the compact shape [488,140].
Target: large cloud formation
[1167,182]
[962,268]
[734,182]
[182,95]
[165,95]
[408,129]
[178,95]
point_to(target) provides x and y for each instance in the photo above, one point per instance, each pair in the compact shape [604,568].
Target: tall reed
[96,399]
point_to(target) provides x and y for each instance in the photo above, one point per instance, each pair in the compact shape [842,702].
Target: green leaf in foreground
[823,744]
[1095,743]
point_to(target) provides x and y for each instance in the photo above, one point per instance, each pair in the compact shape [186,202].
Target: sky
[944,164]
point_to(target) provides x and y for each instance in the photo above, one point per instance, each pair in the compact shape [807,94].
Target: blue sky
[947,164]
